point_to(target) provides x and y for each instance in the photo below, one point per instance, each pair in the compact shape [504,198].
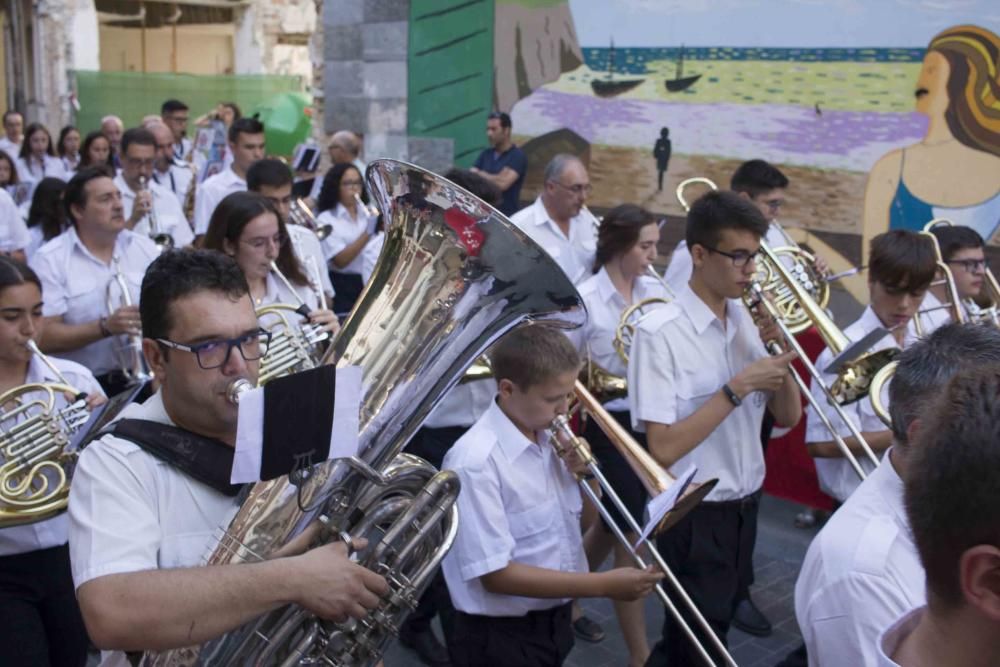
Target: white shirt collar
[509,437]
[701,315]
[893,636]
[122,242]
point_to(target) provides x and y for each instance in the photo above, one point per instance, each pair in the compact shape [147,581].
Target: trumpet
[293,348]
[656,481]
[131,359]
[34,435]
[300,214]
[163,240]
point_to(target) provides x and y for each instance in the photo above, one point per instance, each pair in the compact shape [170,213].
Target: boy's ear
[505,387]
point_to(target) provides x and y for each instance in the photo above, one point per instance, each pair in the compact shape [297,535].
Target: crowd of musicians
[124,268]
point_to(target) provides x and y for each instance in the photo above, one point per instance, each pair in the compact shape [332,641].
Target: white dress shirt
[69,165]
[10,148]
[169,216]
[605,306]
[176,179]
[345,231]
[13,232]
[518,504]
[309,251]
[130,511]
[370,255]
[861,571]
[574,254]
[75,282]
[33,172]
[210,192]
[277,292]
[836,476]
[678,271]
[183,148]
[50,532]
[894,635]
[681,356]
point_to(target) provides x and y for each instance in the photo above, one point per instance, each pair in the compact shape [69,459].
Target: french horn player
[44,402]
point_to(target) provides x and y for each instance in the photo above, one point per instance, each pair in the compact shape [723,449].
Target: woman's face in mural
[932,85]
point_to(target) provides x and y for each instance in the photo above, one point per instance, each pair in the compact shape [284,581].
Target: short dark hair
[476,184]
[952,238]
[329,192]
[532,354]
[34,128]
[755,177]
[13,272]
[717,210]
[177,273]
[139,136]
[244,126]
[269,172]
[902,260]
[951,492]
[927,366]
[171,106]
[504,118]
[75,193]
[233,214]
[619,231]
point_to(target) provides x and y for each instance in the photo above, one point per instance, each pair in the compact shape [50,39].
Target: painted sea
[833,108]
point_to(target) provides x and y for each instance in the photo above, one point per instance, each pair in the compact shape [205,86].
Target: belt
[543,619]
[739,503]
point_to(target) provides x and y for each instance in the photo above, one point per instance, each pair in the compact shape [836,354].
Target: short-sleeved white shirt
[681,356]
[836,476]
[75,283]
[13,232]
[861,572]
[678,271]
[519,504]
[210,192]
[169,215]
[370,255]
[176,179]
[605,306]
[345,231]
[574,254]
[9,147]
[308,249]
[33,172]
[50,532]
[894,635]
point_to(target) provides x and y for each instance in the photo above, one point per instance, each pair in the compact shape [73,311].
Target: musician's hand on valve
[574,461]
[140,208]
[332,586]
[327,319]
[95,400]
[124,320]
[629,583]
[762,375]
[821,266]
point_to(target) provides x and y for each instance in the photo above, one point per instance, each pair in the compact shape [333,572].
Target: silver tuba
[454,275]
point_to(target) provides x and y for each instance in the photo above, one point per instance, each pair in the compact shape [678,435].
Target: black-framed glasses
[970,265]
[215,353]
[739,258]
[578,188]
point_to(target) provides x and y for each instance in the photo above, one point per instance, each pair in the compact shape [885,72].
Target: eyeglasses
[260,242]
[350,184]
[970,265]
[215,353]
[739,258]
[138,163]
[578,189]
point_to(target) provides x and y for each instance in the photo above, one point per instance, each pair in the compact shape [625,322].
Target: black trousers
[538,639]
[708,550]
[617,470]
[346,290]
[40,622]
[431,444]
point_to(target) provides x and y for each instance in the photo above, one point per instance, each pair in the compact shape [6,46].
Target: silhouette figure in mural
[954,171]
[661,151]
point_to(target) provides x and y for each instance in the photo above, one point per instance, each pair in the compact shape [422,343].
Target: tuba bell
[454,275]
[34,434]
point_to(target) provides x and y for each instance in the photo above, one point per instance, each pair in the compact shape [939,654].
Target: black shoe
[749,619]
[588,630]
[426,645]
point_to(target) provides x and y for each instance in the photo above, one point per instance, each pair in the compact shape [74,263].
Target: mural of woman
[954,171]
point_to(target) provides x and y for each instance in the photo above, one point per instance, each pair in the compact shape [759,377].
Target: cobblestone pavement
[778,556]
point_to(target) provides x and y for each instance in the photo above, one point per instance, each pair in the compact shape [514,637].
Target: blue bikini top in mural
[908,211]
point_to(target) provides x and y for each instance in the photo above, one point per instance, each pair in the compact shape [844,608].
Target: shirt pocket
[85,298]
[696,385]
[535,535]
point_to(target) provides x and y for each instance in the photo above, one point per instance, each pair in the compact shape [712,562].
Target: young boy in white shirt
[518,557]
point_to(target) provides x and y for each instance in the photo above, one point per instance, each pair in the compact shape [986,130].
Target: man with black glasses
[141,522]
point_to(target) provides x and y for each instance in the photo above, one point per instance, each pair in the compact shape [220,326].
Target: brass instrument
[293,347]
[881,378]
[630,319]
[131,359]
[799,264]
[656,480]
[163,240]
[192,189]
[300,214]
[35,465]
[944,278]
[434,303]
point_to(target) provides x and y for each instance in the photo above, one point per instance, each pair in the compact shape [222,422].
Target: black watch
[733,397]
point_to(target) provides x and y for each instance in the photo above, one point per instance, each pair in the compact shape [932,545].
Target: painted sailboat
[680,82]
[610,86]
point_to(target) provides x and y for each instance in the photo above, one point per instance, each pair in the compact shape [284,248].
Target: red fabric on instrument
[791,473]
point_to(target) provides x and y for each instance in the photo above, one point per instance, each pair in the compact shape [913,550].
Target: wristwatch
[733,397]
